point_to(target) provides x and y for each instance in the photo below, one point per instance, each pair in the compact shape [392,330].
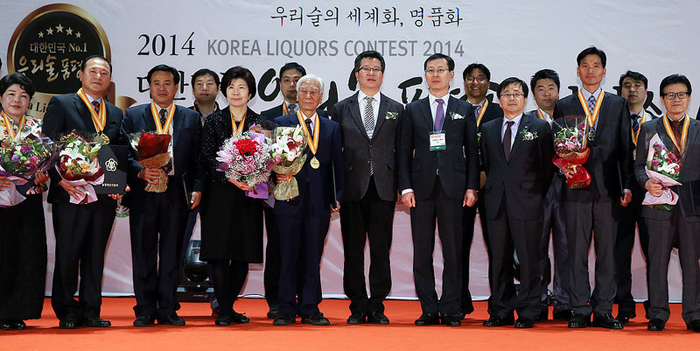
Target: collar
[167,108]
[444,98]
[361,96]
[587,94]
[516,119]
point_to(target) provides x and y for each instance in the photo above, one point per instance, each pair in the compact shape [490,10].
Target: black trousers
[630,219]
[271,275]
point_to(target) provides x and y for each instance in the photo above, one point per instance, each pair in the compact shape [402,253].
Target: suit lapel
[524,124]
[177,124]
[354,108]
[84,114]
[424,107]
[381,117]
[495,137]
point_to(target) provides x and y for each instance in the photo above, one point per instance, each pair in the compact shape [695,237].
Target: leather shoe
[607,321]
[562,315]
[316,319]
[96,322]
[624,318]
[544,315]
[427,319]
[173,320]
[377,317]
[694,326]
[496,321]
[239,318]
[273,312]
[5,325]
[452,320]
[656,324]
[525,323]
[144,320]
[579,321]
[68,323]
[223,321]
[357,318]
[283,319]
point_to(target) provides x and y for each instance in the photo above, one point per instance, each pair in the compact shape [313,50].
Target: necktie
[308,126]
[477,108]
[369,114]
[96,105]
[591,104]
[506,139]
[635,123]
[676,127]
[292,108]
[439,115]
[162,114]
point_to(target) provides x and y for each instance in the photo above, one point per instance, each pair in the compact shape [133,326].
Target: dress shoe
[223,321]
[377,317]
[144,320]
[544,315]
[562,315]
[624,317]
[656,324]
[496,321]
[68,323]
[357,318]
[5,325]
[451,320]
[316,319]
[428,319]
[579,321]
[607,321]
[239,318]
[273,312]
[525,323]
[283,319]
[694,326]
[95,322]
[173,320]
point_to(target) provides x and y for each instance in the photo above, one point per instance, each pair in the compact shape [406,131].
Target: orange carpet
[201,334]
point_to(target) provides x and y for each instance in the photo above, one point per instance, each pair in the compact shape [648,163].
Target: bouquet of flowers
[19,161]
[79,166]
[665,167]
[289,158]
[152,152]
[571,148]
[247,158]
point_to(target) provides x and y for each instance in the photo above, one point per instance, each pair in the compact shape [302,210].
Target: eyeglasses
[476,80]
[672,96]
[512,96]
[436,71]
[368,70]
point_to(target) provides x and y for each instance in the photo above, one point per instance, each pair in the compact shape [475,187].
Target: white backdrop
[513,38]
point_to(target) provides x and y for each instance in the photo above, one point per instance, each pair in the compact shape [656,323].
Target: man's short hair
[19,79]
[164,68]
[235,73]
[544,74]
[636,76]
[84,65]
[204,72]
[292,65]
[675,79]
[591,50]
[479,66]
[438,56]
[368,54]
[308,77]
[512,80]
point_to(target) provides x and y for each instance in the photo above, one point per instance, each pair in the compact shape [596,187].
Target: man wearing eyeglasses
[680,135]
[438,176]
[595,208]
[516,151]
[369,122]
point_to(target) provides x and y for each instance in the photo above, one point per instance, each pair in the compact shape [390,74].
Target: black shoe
[173,320]
[427,319]
[496,321]
[579,321]
[656,324]
[68,323]
[624,317]
[694,326]
[223,321]
[316,319]
[357,318]
[544,315]
[452,320]
[5,325]
[283,319]
[607,321]
[144,320]
[377,317]
[525,323]
[562,315]
[273,312]
[95,322]
[239,318]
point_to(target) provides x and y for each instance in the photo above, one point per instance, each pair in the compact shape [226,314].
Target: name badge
[437,141]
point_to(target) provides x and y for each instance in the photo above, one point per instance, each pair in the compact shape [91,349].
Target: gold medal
[103,138]
[315,163]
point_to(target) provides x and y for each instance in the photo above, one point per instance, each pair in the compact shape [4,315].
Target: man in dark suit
[595,208]
[82,230]
[370,123]
[680,135]
[158,220]
[477,79]
[516,151]
[438,176]
[633,88]
[304,220]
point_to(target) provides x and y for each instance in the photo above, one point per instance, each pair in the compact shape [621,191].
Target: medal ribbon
[8,125]
[540,114]
[156,118]
[100,119]
[285,110]
[592,118]
[313,143]
[482,112]
[237,130]
[635,136]
[684,133]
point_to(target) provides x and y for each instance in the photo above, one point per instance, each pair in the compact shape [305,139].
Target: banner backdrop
[513,38]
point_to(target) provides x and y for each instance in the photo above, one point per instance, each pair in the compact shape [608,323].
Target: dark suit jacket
[522,180]
[493,112]
[186,138]
[277,111]
[457,164]
[689,191]
[359,149]
[318,183]
[610,160]
[66,113]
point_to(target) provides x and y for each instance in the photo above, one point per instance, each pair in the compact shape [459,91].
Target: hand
[4,183]
[654,187]
[71,190]
[408,199]
[41,178]
[482,179]
[337,207]
[150,175]
[196,198]
[568,172]
[626,197]
[470,198]
[119,196]
[241,185]
[283,177]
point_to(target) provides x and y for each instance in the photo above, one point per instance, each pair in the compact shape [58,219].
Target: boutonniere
[391,115]
[528,135]
[478,138]
[454,116]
